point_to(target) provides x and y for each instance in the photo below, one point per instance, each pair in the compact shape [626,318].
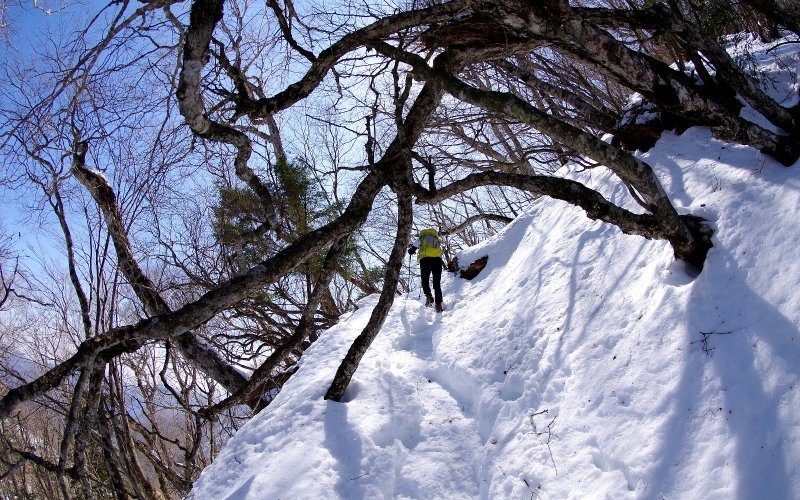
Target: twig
[782,43]
[529,487]
[704,341]
[549,431]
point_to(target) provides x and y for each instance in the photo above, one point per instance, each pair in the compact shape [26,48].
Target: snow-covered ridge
[577,334]
[580,363]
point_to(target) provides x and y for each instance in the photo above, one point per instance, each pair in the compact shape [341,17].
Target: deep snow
[572,367]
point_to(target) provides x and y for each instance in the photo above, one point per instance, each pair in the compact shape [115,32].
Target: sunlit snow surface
[574,335]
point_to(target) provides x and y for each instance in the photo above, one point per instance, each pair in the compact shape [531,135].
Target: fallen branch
[704,341]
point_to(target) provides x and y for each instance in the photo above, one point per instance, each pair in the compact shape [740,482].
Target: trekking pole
[409,273]
[419,294]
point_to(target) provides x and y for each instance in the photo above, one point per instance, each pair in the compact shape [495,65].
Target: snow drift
[581,363]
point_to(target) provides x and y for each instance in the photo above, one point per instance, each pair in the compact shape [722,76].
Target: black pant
[428,265]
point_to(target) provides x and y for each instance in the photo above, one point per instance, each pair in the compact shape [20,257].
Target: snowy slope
[571,367]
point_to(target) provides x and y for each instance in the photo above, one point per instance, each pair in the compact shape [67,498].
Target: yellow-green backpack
[429,244]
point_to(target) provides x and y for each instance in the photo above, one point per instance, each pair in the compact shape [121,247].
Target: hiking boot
[439,308]
[428,301]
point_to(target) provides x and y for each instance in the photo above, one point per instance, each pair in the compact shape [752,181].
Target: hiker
[430,262]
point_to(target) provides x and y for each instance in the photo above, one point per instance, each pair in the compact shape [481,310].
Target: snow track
[445,460]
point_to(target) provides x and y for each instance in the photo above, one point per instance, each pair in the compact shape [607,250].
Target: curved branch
[468,222]
[629,168]
[575,193]
[106,200]
[203,18]
[287,31]
[327,58]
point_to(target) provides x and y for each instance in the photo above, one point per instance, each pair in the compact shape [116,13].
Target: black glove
[412,250]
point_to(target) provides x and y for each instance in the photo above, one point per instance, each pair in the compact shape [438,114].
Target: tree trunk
[350,362]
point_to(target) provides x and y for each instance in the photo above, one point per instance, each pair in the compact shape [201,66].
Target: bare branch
[254,386]
[470,220]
